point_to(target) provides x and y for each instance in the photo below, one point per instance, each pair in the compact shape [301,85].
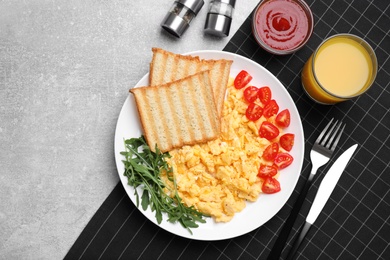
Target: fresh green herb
[143,168]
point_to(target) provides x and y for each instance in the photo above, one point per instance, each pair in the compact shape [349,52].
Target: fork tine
[337,139]
[326,138]
[334,134]
[323,131]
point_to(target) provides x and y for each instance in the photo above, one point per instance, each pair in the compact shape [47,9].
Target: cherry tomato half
[283,160]
[250,94]
[264,94]
[242,79]
[254,112]
[267,171]
[270,152]
[268,131]
[270,185]
[271,109]
[283,118]
[287,141]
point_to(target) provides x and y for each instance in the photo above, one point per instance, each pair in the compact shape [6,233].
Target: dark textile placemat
[354,223]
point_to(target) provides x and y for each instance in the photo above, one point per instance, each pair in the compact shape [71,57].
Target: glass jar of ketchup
[282,26]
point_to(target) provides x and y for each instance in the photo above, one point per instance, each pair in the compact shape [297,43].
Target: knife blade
[326,188]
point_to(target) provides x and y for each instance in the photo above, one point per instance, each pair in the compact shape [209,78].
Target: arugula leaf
[142,169]
[145,200]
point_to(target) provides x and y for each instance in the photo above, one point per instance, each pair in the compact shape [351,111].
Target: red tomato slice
[242,79]
[267,171]
[283,118]
[271,109]
[287,141]
[268,131]
[254,112]
[270,185]
[264,94]
[250,94]
[283,160]
[270,152]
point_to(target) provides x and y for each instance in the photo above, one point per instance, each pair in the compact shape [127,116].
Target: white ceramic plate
[255,214]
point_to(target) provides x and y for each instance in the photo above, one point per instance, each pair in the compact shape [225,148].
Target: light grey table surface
[65,70]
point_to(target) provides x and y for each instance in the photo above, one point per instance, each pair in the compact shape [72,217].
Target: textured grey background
[65,69]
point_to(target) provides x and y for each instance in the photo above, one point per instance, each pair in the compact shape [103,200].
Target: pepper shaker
[179,17]
[219,17]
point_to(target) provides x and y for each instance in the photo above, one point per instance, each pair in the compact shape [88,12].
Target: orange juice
[344,66]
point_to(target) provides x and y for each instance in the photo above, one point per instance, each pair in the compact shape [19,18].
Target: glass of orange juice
[342,67]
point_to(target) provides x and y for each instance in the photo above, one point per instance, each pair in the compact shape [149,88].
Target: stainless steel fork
[320,154]
[324,147]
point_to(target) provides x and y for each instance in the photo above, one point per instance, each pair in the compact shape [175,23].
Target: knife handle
[286,230]
[298,242]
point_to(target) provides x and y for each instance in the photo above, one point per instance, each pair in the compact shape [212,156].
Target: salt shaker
[219,17]
[179,17]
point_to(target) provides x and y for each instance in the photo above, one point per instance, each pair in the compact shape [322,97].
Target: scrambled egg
[218,177]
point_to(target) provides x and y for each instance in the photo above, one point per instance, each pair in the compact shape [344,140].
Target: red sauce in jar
[281,24]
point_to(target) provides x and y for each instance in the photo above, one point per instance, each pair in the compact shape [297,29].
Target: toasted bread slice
[219,77]
[178,113]
[167,66]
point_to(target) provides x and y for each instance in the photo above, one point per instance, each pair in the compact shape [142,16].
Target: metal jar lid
[218,25]
[174,24]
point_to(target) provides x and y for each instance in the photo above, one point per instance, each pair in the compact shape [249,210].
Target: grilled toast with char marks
[167,66]
[178,113]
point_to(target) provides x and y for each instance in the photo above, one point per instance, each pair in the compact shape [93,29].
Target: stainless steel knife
[324,191]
